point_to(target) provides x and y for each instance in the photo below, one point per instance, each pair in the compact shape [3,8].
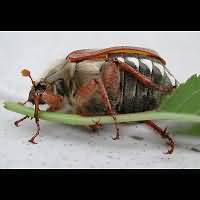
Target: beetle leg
[32,140]
[142,78]
[20,120]
[164,134]
[96,126]
[86,91]
[107,104]
[36,102]
[24,102]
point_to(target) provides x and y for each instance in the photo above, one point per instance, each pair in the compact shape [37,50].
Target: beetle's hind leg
[164,134]
[147,82]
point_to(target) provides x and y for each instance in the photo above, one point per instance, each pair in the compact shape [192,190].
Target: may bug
[105,82]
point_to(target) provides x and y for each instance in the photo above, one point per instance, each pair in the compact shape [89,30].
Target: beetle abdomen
[126,95]
[136,97]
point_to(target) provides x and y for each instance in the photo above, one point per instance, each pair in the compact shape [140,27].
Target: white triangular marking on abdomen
[148,63]
[171,78]
[160,67]
[134,60]
[121,59]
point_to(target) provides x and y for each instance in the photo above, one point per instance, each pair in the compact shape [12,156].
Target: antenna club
[25,72]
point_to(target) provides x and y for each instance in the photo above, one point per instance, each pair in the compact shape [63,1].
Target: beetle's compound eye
[33,92]
[41,86]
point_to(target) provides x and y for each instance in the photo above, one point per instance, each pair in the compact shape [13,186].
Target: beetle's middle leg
[109,85]
[96,126]
[86,92]
[108,106]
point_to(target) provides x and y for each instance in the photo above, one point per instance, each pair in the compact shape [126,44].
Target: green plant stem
[73,119]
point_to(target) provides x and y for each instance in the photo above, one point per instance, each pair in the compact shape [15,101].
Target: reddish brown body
[87,98]
[85,54]
[54,101]
[102,81]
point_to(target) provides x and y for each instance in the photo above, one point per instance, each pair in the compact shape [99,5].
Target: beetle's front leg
[23,103]
[32,140]
[20,120]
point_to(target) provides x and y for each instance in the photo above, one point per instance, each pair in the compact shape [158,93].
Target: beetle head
[37,89]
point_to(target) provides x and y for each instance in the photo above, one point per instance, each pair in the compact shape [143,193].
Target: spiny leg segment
[32,140]
[107,104]
[86,91]
[20,120]
[96,126]
[164,134]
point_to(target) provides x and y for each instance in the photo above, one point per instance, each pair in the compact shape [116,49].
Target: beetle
[110,81]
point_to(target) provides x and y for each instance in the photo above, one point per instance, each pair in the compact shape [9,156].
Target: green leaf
[185,98]
[193,129]
[73,119]
[182,105]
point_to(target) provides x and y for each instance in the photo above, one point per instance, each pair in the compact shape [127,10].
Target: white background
[62,146]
